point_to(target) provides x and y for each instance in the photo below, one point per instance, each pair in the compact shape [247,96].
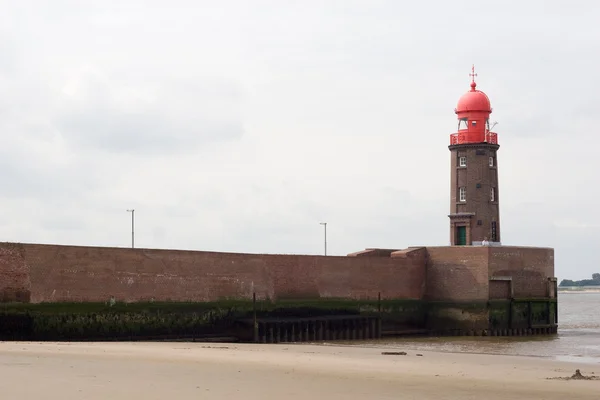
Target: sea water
[578,337]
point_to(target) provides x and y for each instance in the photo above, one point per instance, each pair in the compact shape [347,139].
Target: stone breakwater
[69,292]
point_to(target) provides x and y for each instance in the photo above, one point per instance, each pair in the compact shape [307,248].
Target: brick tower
[474,206]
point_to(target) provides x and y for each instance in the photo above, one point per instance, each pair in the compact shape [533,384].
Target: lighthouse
[474,197]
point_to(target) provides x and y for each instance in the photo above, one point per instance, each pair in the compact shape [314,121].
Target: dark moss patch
[148,320]
[144,320]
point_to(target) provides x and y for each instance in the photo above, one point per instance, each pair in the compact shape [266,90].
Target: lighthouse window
[462,194]
[463,123]
[462,161]
[491,161]
[493,194]
[473,123]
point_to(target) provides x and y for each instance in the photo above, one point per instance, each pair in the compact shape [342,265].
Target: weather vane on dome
[473,75]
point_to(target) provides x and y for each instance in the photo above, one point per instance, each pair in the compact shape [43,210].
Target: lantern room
[473,111]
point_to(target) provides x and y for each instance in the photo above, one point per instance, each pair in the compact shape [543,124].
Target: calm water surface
[578,337]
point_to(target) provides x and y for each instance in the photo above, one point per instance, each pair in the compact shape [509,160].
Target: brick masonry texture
[14,274]
[52,273]
[500,289]
[70,273]
[478,200]
[461,273]
[457,273]
[529,268]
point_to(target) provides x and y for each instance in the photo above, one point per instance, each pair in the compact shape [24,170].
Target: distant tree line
[595,281]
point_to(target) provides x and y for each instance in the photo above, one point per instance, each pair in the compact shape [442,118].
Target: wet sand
[238,371]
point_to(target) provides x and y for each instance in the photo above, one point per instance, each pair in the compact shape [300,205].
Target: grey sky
[240,125]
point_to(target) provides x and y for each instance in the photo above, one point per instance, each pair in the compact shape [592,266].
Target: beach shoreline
[252,371]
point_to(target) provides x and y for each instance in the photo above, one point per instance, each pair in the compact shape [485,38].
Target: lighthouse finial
[473,75]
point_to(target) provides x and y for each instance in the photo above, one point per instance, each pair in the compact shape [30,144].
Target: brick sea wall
[464,273]
[529,268]
[52,273]
[447,290]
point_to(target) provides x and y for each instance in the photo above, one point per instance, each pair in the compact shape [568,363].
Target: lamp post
[325,226]
[132,226]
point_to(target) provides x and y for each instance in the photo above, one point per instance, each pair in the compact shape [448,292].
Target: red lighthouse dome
[473,100]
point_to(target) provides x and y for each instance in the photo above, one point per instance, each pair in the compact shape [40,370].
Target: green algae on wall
[443,316]
[104,321]
[97,321]
[522,313]
[131,321]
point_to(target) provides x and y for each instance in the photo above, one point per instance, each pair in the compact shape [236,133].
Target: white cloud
[571,223]
[156,117]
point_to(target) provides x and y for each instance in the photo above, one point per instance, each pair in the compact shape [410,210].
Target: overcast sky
[240,125]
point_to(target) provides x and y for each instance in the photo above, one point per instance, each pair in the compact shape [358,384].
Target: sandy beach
[247,371]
